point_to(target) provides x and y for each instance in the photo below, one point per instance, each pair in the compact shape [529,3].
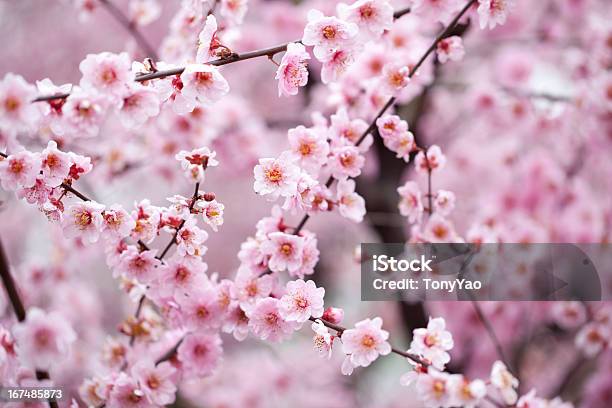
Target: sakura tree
[182,217]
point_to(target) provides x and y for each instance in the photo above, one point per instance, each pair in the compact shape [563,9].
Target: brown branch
[234,57]
[130,26]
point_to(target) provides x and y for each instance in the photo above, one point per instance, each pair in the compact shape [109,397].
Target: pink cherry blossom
[127,392]
[16,111]
[440,229]
[467,393]
[504,382]
[391,126]
[285,251]
[248,289]
[138,104]
[433,343]
[350,204]
[203,83]
[212,211]
[346,161]
[141,266]
[323,340]
[395,77]
[410,204]
[276,177]
[433,160]
[266,322]
[310,257]
[43,338]
[200,353]
[450,49]
[292,72]
[372,17]
[493,12]
[39,193]
[200,308]
[117,223]
[364,343]
[434,389]
[444,202]
[195,162]
[333,315]
[55,165]
[335,63]
[144,12]
[234,10]
[83,113]
[593,338]
[83,220]
[301,301]
[325,33]
[80,166]
[206,39]
[569,315]
[156,381]
[147,219]
[190,239]
[19,170]
[107,73]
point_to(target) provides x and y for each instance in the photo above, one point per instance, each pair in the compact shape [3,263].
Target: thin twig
[130,26]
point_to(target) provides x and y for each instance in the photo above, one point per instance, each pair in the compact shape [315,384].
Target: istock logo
[384,263]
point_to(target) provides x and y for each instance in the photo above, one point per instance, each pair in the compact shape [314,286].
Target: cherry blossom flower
[444,202]
[140,266]
[83,220]
[43,338]
[493,12]
[410,204]
[310,256]
[180,273]
[504,382]
[80,166]
[395,77]
[117,223]
[302,199]
[107,73]
[433,161]
[434,389]
[200,308]
[39,193]
[372,17]
[440,229]
[350,204]
[285,251]
[333,315]
[200,353]
[203,83]
[234,10]
[190,239]
[195,162]
[401,143]
[593,338]
[19,170]
[391,126]
[138,104]
[276,177]
[365,342]
[346,161]
[292,71]
[569,315]
[325,33]
[466,393]
[323,340]
[126,392]
[345,131]
[17,113]
[248,289]
[207,39]
[83,113]
[147,219]
[433,343]
[301,301]
[212,211]
[236,322]
[144,12]
[335,63]
[55,165]
[266,322]
[450,49]
[156,381]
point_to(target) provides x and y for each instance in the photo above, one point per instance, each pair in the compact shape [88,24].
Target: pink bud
[333,315]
